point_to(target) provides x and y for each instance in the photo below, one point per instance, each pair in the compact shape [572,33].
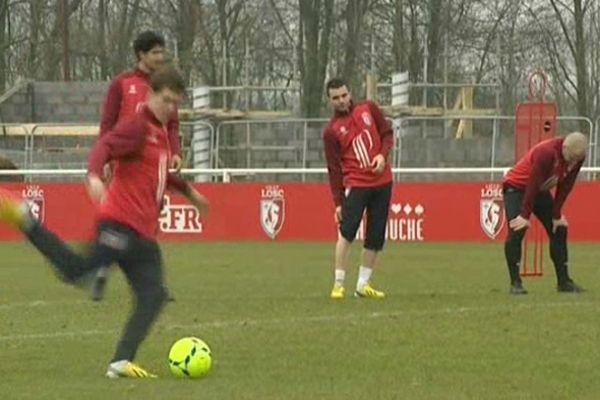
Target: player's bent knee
[375,248]
[376,245]
[561,231]
[347,234]
[347,237]
[516,235]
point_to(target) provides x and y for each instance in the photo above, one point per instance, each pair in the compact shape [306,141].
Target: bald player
[526,187]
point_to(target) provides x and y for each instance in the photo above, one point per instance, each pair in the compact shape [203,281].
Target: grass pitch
[448,329]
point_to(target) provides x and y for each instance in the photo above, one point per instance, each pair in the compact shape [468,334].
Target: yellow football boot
[337,292]
[127,370]
[13,211]
[367,291]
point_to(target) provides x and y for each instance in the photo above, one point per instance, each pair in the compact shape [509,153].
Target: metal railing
[300,138]
[592,134]
[249,148]
[227,173]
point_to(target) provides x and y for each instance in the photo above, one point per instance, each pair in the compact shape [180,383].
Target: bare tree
[188,14]
[4,42]
[123,36]
[434,31]
[354,14]
[279,42]
[316,22]
[102,57]
[399,38]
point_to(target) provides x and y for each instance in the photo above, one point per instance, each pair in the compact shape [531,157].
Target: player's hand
[337,215]
[96,188]
[176,162]
[556,223]
[518,223]
[378,164]
[107,172]
[199,201]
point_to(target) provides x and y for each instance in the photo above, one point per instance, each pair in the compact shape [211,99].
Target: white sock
[340,275]
[364,274]
[119,365]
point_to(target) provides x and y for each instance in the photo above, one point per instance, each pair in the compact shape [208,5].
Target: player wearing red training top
[526,187]
[126,95]
[357,141]
[129,91]
[127,219]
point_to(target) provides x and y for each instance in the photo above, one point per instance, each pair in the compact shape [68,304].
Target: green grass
[448,329]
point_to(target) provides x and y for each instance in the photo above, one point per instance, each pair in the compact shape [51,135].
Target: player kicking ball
[127,216]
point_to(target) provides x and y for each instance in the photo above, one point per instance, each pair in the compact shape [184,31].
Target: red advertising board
[470,212]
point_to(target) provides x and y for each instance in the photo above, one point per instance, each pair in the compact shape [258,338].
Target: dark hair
[335,83]
[146,41]
[167,77]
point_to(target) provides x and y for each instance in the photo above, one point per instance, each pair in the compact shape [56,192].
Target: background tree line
[300,43]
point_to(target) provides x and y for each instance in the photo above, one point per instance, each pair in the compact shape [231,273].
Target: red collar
[138,72]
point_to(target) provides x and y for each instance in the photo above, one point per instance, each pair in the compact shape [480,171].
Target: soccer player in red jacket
[126,95]
[358,140]
[127,217]
[128,92]
[526,190]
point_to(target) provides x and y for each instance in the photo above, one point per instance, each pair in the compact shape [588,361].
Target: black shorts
[376,200]
[542,206]
[139,258]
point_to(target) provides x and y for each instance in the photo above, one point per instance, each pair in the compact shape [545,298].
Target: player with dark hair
[127,217]
[127,93]
[358,140]
[526,190]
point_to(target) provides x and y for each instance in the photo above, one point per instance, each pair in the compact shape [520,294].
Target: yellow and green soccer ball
[190,357]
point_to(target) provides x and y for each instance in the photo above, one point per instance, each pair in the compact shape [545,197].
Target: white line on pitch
[41,303]
[317,318]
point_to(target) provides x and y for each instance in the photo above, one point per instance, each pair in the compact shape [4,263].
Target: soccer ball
[190,357]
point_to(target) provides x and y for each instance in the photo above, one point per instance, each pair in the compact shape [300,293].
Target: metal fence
[420,142]
[295,145]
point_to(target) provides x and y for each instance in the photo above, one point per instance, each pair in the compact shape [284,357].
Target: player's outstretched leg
[69,266]
[99,284]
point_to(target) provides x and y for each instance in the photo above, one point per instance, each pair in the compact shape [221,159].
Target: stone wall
[54,102]
[276,144]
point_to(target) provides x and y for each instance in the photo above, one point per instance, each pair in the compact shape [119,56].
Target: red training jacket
[139,147]
[541,169]
[351,142]
[126,94]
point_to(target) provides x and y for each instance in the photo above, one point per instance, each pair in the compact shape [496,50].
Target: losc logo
[34,195]
[179,218]
[272,210]
[491,213]
[366,118]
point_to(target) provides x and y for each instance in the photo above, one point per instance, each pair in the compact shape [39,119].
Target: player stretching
[357,141]
[526,188]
